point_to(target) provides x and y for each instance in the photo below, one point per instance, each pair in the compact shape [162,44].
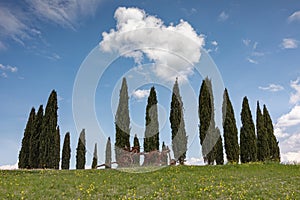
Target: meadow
[246,181]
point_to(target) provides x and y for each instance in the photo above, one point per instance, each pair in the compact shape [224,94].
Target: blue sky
[43,44]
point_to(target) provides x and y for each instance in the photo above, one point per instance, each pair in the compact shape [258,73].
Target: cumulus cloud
[290,119]
[172,48]
[289,43]
[223,16]
[140,94]
[272,88]
[287,128]
[295,97]
[294,17]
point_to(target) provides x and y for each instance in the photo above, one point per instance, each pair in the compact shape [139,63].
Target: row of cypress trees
[259,145]
[254,146]
[151,139]
[41,142]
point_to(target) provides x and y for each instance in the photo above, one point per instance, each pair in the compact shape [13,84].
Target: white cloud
[291,157]
[21,23]
[7,68]
[223,16]
[4,75]
[290,119]
[289,43]
[251,61]
[295,97]
[294,17]
[136,29]
[61,12]
[215,43]
[140,94]
[246,42]
[287,128]
[272,87]
[9,167]
[195,161]
[13,25]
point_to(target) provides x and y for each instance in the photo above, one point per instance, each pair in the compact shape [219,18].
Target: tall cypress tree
[247,137]
[136,146]
[35,139]
[151,140]
[230,130]
[122,123]
[219,149]
[48,138]
[25,148]
[207,122]
[272,141]
[80,151]
[108,154]
[179,138]
[262,138]
[95,158]
[66,152]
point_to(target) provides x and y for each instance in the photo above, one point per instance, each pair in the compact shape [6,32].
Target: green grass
[247,181]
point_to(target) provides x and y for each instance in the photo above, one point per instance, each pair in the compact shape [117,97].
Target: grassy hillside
[265,181]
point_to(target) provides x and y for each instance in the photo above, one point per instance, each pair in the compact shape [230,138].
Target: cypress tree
[230,130]
[262,138]
[24,154]
[207,122]
[151,140]
[66,152]
[179,138]
[108,154]
[48,138]
[219,149]
[247,137]
[80,151]
[122,123]
[95,158]
[164,159]
[35,139]
[136,146]
[272,141]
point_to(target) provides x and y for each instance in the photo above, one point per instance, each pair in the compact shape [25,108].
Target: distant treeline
[41,141]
